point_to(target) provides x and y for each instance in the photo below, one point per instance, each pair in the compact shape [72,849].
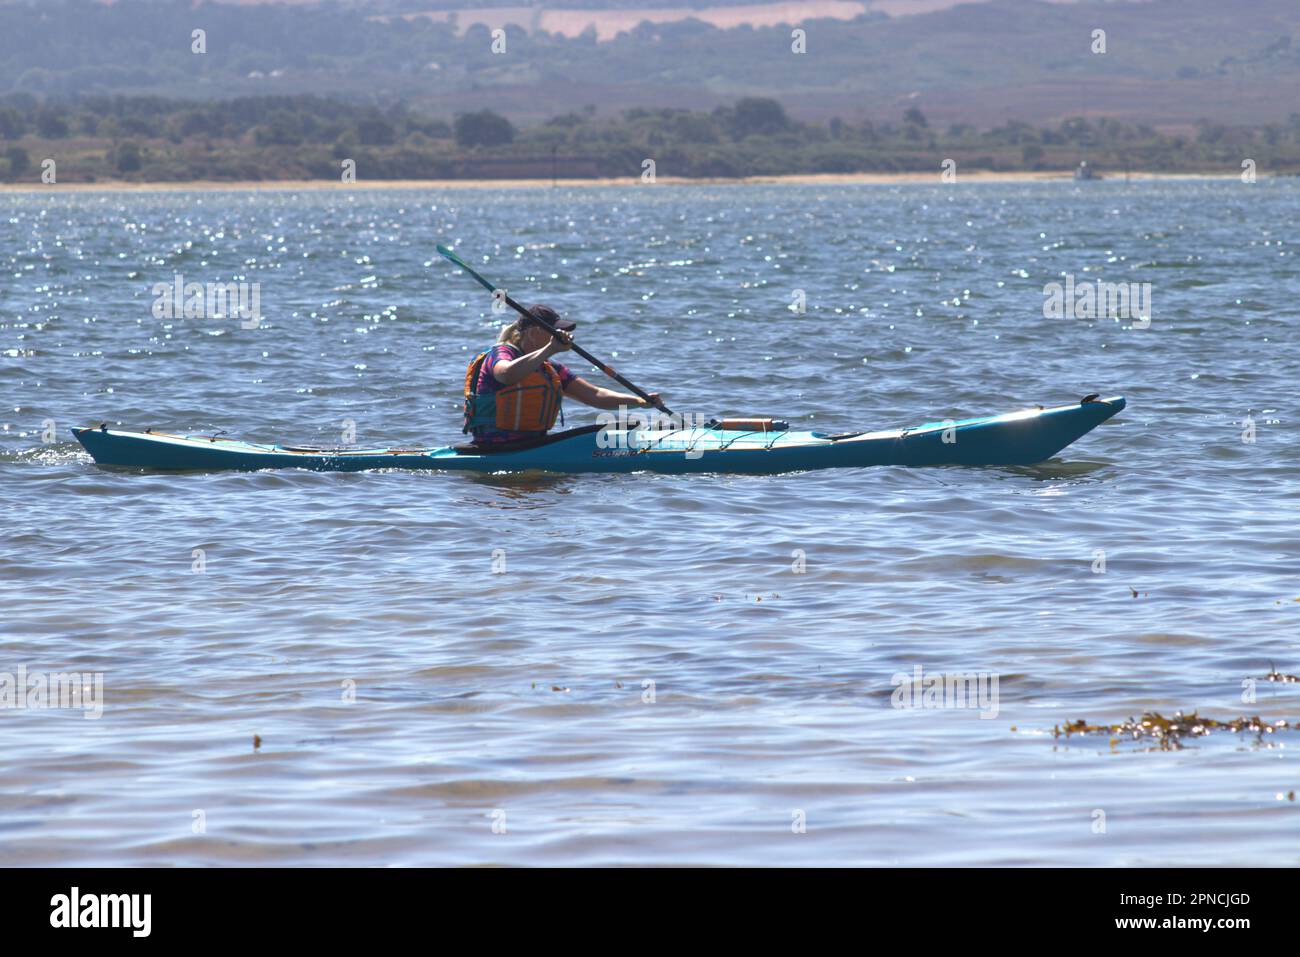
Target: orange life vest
[530,405]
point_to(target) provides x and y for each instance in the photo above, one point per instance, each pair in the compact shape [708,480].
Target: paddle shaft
[607,369]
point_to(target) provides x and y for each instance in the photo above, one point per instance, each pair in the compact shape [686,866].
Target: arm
[600,398]
[510,371]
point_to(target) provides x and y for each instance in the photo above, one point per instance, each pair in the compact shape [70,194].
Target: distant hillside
[1168,62]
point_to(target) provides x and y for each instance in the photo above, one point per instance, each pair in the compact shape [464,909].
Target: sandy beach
[880,179]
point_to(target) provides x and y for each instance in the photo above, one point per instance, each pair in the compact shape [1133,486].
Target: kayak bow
[1016,438]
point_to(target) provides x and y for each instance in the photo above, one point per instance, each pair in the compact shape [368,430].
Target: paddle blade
[451,257]
[446,253]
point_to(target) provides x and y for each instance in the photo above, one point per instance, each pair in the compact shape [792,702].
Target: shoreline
[805,179]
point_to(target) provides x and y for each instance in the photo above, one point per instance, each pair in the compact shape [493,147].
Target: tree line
[292,137]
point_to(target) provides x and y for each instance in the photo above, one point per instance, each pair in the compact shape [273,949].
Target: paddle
[608,370]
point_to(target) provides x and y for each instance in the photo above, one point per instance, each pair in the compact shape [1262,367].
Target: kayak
[1016,438]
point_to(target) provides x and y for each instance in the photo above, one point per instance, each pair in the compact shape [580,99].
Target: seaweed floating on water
[1169,733]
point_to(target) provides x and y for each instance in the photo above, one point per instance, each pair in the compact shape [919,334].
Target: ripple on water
[725,648]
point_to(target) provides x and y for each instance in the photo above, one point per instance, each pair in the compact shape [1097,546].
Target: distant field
[610,23]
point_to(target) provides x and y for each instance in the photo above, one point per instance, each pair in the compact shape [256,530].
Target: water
[517,702]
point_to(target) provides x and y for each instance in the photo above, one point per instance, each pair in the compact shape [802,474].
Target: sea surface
[400,668]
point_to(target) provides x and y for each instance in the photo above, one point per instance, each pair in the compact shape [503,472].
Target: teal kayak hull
[1016,438]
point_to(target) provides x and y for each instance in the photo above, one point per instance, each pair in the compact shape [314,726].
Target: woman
[514,391]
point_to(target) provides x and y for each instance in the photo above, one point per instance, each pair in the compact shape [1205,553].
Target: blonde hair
[512,334]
